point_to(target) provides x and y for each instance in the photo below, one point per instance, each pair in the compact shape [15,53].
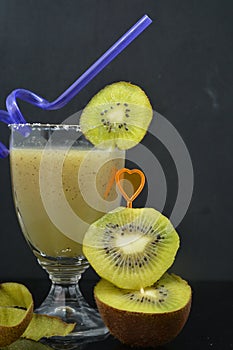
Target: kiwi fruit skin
[9,334]
[143,329]
[117,116]
[134,276]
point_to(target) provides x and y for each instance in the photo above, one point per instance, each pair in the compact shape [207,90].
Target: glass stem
[67,302]
[68,271]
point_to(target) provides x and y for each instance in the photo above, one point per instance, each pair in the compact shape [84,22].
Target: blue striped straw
[14,114]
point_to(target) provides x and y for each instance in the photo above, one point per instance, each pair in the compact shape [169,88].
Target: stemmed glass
[61,184]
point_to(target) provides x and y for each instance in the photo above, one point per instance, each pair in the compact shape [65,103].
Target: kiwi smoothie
[40,231]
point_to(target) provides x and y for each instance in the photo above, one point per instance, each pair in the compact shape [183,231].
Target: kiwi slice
[117,116]
[132,248]
[148,317]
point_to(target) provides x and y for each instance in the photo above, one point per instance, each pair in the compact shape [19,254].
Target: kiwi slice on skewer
[132,248]
[149,317]
[118,115]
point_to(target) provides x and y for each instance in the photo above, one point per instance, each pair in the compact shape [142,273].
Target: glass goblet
[60,186]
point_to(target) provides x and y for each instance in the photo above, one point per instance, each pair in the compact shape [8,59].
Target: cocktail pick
[14,113]
[120,175]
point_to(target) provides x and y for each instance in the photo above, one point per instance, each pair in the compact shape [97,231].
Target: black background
[184,63]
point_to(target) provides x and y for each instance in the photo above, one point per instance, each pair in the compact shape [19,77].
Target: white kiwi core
[116,115]
[133,245]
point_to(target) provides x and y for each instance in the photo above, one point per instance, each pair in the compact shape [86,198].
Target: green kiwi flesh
[117,116]
[131,248]
[149,317]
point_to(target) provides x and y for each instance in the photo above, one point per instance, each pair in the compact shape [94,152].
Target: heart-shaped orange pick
[120,175]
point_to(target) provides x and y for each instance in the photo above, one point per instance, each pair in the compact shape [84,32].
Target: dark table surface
[210,324]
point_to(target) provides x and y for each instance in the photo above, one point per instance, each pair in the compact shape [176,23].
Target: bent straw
[14,112]
[5,118]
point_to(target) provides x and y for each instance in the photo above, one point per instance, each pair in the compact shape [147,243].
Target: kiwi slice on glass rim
[148,317]
[131,247]
[117,116]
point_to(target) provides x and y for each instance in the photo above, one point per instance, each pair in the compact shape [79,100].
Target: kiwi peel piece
[16,310]
[149,317]
[117,116]
[24,344]
[44,326]
[18,320]
[131,247]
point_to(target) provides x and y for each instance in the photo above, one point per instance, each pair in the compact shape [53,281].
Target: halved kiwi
[132,248]
[148,317]
[118,115]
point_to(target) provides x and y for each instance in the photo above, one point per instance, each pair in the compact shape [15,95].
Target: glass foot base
[63,343]
[67,303]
